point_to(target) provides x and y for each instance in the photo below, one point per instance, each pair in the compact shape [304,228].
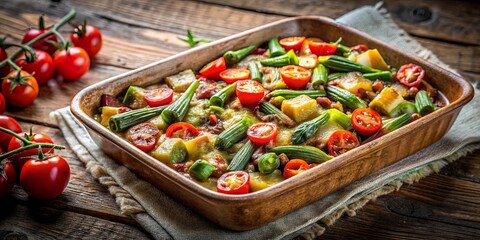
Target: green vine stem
[27,144]
[54,30]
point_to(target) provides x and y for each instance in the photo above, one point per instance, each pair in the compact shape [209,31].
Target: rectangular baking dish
[255,209]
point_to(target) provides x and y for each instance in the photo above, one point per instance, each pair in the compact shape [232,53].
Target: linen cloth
[164,218]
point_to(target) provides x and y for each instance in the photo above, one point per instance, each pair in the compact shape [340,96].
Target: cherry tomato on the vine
[262,133]
[7,177]
[5,69]
[87,37]
[3,104]
[366,121]
[342,141]
[294,167]
[45,179]
[237,182]
[42,44]
[20,89]
[249,92]
[18,160]
[10,124]
[71,63]
[42,68]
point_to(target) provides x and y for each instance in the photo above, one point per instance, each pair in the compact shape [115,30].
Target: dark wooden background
[444,205]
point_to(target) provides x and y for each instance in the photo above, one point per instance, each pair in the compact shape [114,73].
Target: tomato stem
[27,144]
[30,58]
[54,30]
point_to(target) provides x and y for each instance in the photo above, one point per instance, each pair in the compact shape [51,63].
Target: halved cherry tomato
[42,68]
[237,182]
[366,121]
[182,130]
[213,69]
[410,75]
[294,76]
[143,136]
[232,75]
[249,92]
[290,43]
[305,49]
[320,48]
[294,167]
[341,141]
[158,97]
[359,48]
[18,160]
[262,133]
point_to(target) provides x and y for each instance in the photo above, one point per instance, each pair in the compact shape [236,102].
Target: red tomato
[259,51]
[41,69]
[3,104]
[182,130]
[213,69]
[110,101]
[249,92]
[232,75]
[341,141]
[143,136]
[158,97]
[5,69]
[294,167]
[410,75]
[320,48]
[10,124]
[45,179]
[262,133]
[42,44]
[87,37]
[7,177]
[18,160]
[294,43]
[237,182]
[366,121]
[71,64]
[23,94]
[295,77]
[359,48]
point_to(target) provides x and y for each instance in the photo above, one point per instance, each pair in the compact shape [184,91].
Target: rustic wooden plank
[438,207]
[39,222]
[468,168]
[431,19]
[83,193]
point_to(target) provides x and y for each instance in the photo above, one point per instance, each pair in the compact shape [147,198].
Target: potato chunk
[181,81]
[300,108]
[353,81]
[386,101]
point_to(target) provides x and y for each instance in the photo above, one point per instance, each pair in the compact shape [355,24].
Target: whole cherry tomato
[294,167]
[366,121]
[87,37]
[342,141]
[20,89]
[294,76]
[232,75]
[5,69]
[18,160]
[42,44]
[158,97]
[71,63]
[237,182]
[3,104]
[45,179]
[290,43]
[213,69]
[249,92]
[143,136]
[262,133]
[10,124]
[42,68]
[7,177]
[410,75]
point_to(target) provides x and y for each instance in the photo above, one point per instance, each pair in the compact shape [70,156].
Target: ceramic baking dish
[255,209]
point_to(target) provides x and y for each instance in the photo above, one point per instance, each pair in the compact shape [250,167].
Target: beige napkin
[164,218]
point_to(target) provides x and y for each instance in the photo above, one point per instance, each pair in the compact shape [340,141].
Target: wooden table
[136,33]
